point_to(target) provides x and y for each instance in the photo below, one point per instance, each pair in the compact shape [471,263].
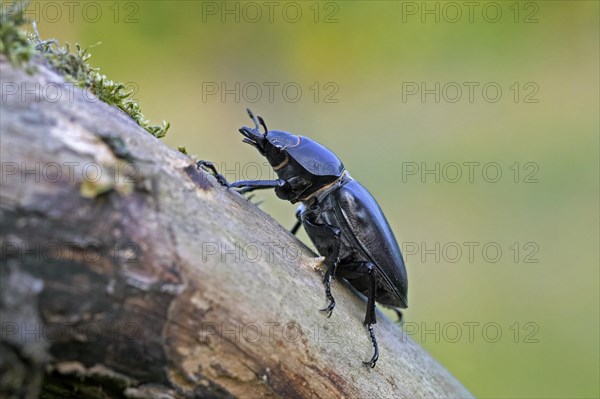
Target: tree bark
[127,273]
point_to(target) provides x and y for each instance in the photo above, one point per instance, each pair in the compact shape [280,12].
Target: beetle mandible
[340,216]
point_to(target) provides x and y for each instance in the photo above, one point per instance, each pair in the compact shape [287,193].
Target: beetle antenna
[253,118]
[264,125]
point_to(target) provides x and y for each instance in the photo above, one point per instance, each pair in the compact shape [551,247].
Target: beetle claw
[329,308]
[210,167]
[371,363]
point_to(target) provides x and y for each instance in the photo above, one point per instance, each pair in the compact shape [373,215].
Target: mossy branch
[19,47]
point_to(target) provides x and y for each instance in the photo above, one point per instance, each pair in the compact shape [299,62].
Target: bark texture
[127,273]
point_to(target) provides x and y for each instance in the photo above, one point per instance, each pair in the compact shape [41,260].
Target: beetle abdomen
[366,224]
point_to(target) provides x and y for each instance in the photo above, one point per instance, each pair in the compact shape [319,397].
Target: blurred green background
[523,323]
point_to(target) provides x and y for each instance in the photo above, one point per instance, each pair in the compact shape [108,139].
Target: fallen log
[128,273]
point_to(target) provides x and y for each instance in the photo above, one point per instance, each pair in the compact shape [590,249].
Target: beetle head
[305,165]
[266,143]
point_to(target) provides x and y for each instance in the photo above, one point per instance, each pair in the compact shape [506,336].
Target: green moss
[14,42]
[74,65]
[182,150]
[19,48]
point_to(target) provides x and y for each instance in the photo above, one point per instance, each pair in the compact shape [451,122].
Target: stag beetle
[340,216]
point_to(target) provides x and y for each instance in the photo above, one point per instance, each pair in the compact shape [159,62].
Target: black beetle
[340,216]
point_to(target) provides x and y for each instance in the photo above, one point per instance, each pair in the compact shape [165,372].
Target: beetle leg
[298,221]
[327,234]
[329,274]
[371,363]
[245,186]
[296,227]
[400,320]
[370,318]
[211,168]
[357,270]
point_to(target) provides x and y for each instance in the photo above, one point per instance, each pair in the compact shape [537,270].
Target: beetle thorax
[324,191]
